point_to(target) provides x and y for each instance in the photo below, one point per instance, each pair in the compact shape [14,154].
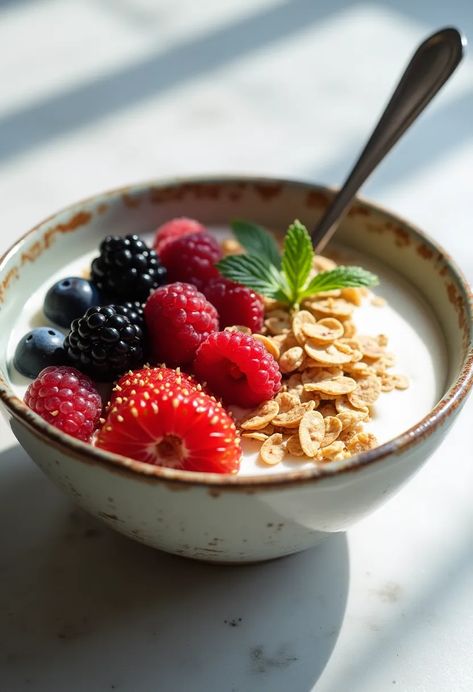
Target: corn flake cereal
[311,432]
[327,355]
[367,391]
[333,428]
[333,452]
[331,386]
[293,446]
[278,322]
[330,307]
[301,320]
[326,330]
[361,442]
[291,359]
[270,345]
[260,417]
[292,417]
[272,450]
[331,377]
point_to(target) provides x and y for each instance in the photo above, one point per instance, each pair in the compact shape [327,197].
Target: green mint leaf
[254,272]
[257,241]
[297,259]
[341,277]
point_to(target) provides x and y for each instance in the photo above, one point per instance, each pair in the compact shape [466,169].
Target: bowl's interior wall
[425,269]
[79,229]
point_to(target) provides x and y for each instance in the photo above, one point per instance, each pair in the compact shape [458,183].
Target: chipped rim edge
[87,453]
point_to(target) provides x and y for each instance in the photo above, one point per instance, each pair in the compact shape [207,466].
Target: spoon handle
[430,67]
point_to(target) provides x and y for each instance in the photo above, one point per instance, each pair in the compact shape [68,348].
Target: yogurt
[413,333]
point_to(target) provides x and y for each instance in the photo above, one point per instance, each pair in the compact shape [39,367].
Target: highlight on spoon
[434,61]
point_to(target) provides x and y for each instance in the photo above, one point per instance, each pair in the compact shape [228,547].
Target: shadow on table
[60,113]
[448,125]
[82,604]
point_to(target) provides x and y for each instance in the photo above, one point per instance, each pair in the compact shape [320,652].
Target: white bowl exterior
[225,524]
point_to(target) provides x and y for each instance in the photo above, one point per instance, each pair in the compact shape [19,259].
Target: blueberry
[39,348]
[69,298]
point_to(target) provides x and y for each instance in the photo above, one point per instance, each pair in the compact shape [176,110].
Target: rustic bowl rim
[84,452]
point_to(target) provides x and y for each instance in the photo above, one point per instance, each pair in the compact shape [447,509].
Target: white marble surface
[98,93]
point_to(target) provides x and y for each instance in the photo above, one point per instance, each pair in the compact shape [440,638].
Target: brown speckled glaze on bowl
[306,504]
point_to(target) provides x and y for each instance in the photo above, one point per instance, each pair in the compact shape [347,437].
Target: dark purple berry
[69,298]
[38,349]
[104,343]
[127,269]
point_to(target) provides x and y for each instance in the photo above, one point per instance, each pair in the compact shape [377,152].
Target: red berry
[168,427]
[191,258]
[235,304]
[178,319]
[67,399]
[237,368]
[130,383]
[174,229]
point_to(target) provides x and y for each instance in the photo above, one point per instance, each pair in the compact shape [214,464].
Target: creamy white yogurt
[414,337]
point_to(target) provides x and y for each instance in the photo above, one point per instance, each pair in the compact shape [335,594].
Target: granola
[332,378]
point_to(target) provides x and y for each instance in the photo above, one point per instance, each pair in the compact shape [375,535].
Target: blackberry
[127,269]
[104,343]
[134,312]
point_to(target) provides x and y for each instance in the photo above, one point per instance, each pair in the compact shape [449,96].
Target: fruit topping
[128,385]
[104,343]
[192,259]
[235,304]
[39,348]
[127,269]
[178,318]
[69,298]
[134,311]
[67,399]
[237,368]
[174,229]
[175,427]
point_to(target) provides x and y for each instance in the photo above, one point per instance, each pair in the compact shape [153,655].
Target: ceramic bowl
[222,518]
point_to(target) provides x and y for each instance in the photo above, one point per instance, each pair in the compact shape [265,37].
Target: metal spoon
[430,67]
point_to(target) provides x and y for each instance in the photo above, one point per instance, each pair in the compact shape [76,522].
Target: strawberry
[129,384]
[170,425]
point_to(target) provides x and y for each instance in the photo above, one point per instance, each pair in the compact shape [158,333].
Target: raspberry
[127,269]
[104,343]
[178,318]
[237,368]
[174,229]
[131,382]
[235,304]
[191,259]
[67,399]
[173,427]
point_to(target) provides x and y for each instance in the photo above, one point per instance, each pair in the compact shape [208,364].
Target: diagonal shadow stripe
[437,133]
[60,113]
[411,621]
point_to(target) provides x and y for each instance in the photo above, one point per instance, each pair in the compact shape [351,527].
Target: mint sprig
[285,278]
[296,261]
[341,277]
[257,241]
[255,272]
